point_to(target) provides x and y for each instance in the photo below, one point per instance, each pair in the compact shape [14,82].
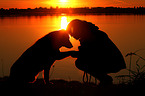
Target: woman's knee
[80,65]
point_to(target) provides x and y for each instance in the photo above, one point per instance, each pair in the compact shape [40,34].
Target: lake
[19,33]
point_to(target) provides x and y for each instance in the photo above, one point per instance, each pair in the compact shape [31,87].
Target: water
[19,33]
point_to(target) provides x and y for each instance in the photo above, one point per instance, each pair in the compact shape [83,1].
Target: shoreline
[63,14]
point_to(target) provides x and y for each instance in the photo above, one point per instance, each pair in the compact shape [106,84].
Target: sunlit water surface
[19,33]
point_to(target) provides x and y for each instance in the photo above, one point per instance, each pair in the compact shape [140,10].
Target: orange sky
[69,3]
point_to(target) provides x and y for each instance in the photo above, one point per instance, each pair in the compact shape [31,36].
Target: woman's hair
[82,25]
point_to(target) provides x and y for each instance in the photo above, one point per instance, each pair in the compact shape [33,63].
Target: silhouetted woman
[97,55]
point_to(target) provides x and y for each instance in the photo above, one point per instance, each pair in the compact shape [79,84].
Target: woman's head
[79,28]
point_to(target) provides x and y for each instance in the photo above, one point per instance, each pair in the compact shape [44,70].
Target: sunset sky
[69,3]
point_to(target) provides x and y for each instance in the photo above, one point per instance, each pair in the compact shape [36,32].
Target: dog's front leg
[46,75]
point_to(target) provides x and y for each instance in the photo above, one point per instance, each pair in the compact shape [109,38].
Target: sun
[63,0]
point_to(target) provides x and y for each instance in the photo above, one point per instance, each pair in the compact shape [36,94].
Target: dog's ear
[63,32]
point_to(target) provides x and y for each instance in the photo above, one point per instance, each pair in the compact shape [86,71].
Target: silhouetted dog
[39,57]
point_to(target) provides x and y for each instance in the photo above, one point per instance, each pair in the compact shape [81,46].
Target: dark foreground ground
[69,88]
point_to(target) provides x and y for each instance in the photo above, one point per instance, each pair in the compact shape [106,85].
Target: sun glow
[64,22]
[61,3]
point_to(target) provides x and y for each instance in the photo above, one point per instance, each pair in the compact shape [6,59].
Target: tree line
[81,10]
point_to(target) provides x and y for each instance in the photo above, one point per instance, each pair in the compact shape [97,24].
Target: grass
[67,88]
[135,78]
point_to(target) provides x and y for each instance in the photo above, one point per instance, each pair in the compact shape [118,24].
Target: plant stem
[130,66]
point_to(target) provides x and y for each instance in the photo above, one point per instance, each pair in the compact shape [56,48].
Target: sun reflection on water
[64,22]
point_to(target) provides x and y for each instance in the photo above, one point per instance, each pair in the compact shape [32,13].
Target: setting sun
[63,0]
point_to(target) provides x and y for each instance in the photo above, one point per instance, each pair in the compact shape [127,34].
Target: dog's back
[36,58]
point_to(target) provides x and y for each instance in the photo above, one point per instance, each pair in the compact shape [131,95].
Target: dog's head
[64,39]
[60,38]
